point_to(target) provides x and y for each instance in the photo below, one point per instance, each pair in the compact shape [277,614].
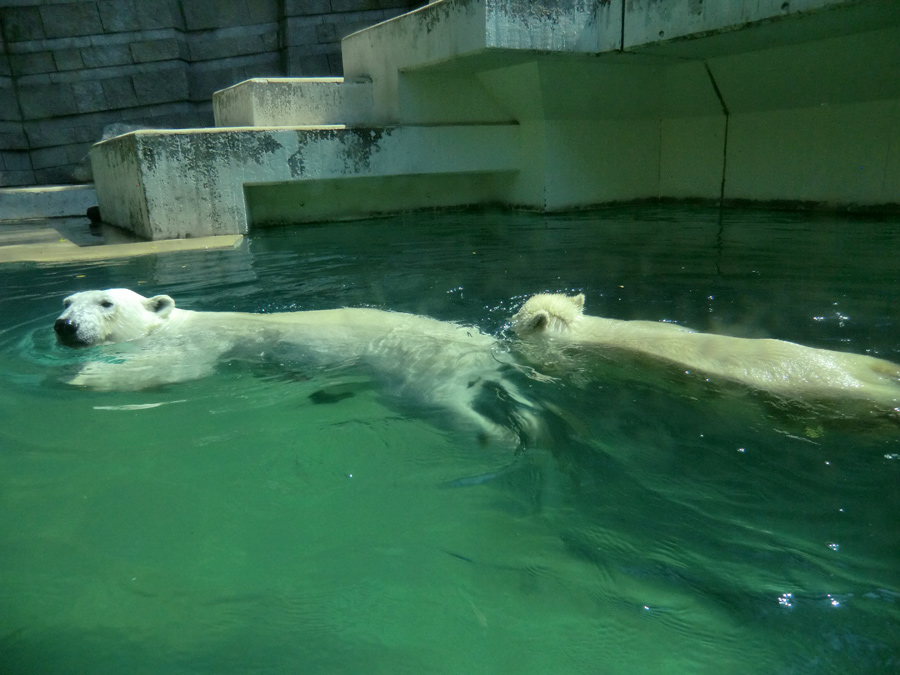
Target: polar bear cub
[147,342]
[783,368]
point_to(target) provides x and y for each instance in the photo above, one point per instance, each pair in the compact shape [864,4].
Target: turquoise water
[233,525]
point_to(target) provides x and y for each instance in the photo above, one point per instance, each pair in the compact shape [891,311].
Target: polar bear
[783,368]
[144,342]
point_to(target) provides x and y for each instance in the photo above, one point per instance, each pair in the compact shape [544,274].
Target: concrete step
[202,182]
[424,64]
[294,101]
[430,65]
[48,201]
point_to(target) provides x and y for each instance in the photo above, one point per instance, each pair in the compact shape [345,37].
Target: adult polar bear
[782,368]
[151,342]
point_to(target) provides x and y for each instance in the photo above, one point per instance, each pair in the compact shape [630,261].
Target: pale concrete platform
[203,182]
[291,102]
[46,201]
[74,239]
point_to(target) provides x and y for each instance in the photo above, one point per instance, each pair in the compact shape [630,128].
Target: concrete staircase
[547,106]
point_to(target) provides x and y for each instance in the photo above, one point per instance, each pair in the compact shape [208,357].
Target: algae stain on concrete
[358,147]
[353,147]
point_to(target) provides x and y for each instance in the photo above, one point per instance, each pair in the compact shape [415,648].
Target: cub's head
[547,313]
[114,315]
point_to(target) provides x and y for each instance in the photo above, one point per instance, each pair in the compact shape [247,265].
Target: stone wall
[70,68]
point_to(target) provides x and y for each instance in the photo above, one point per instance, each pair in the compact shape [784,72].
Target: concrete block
[57,175]
[391,13]
[354,5]
[306,7]
[46,202]
[32,63]
[206,81]
[89,96]
[688,29]
[220,46]
[845,69]
[347,24]
[154,15]
[77,151]
[119,93]
[119,16]
[209,77]
[142,187]
[692,157]
[649,22]
[15,161]
[68,59]
[828,155]
[327,32]
[335,64]
[49,157]
[43,101]
[302,30]
[12,137]
[220,14]
[488,35]
[22,24]
[277,102]
[9,107]
[105,56]
[71,19]
[162,86]
[155,50]
[263,11]
[13,179]
[43,133]
[304,61]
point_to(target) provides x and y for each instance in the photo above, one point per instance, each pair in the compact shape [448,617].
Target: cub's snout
[67,333]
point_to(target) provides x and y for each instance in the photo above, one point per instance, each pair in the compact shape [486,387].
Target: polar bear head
[114,315]
[548,313]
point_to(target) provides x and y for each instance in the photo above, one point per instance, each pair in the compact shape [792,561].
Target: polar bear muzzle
[67,333]
[114,315]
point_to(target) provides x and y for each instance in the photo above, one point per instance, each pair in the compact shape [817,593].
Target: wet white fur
[157,343]
[783,368]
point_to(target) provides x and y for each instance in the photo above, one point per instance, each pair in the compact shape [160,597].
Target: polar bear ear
[538,321]
[161,305]
[578,301]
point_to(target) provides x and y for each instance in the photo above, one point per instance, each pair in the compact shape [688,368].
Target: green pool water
[236,525]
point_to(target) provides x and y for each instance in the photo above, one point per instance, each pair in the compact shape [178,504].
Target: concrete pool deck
[73,239]
[48,223]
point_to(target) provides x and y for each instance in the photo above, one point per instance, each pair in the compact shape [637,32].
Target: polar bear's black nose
[65,330]
[64,327]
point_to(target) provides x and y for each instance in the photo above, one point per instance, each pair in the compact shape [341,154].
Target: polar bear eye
[67,303]
[106,304]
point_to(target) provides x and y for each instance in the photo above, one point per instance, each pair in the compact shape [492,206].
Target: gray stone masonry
[68,69]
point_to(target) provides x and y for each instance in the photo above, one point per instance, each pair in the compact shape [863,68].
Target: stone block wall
[69,68]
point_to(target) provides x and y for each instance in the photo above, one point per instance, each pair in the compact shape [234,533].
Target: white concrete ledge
[49,201]
[691,29]
[457,38]
[291,102]
[189,183]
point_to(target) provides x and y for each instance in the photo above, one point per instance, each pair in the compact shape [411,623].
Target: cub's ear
[537,321]
[578,301]
[161,305]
